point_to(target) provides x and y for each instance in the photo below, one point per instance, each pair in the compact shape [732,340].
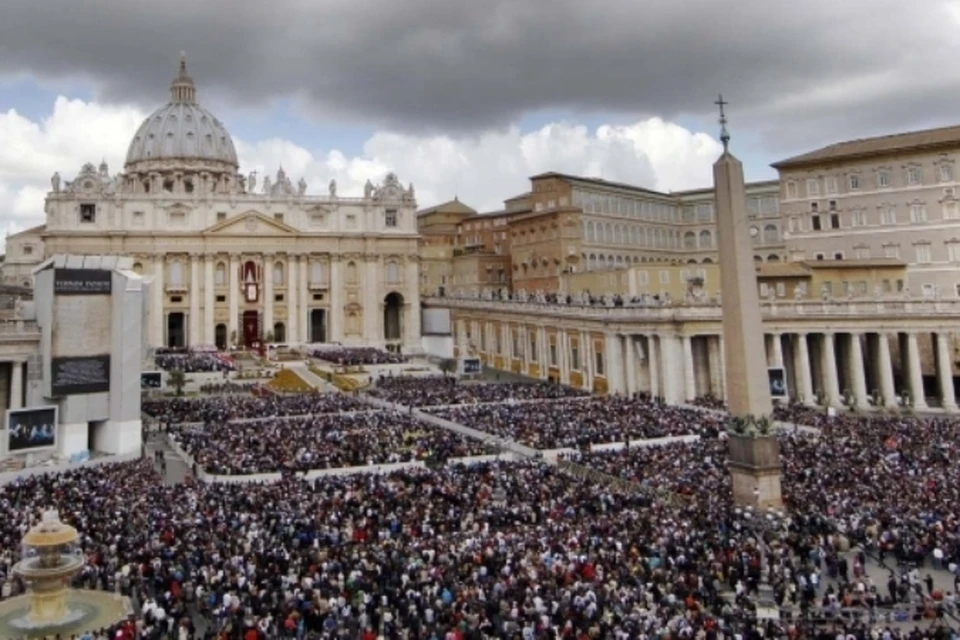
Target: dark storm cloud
[795,71]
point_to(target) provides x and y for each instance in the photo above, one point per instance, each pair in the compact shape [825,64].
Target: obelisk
[754,458]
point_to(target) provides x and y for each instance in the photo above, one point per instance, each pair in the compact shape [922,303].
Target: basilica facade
[235,259]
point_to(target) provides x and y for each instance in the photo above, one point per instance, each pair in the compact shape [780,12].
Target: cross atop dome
[182,89]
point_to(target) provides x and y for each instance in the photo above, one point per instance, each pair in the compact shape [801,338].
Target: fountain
[50,557]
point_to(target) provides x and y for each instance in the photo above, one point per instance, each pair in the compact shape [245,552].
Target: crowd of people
[579,422]
[193,361]
[320,442]
[432,391]
[221,410]
[355,356]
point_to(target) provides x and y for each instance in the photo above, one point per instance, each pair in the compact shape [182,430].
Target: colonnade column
[715,366]
[411,298]
[855,366]
[195,338]
[563,356]
[630,364]
[614,370]
[653,361]
[209,322]
[776,342]
[292,324]
[885,371]
[16,384]
[268,295]
[945,374]
[335,291]
[915,376]
[689,373]
[372,302]
[801,357]
[233,336]
[543,351]
[828,362]
[158,315]
[303,296]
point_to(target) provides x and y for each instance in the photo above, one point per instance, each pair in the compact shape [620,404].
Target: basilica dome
[181,135]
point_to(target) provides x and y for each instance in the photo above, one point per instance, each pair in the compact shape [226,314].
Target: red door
[251,328]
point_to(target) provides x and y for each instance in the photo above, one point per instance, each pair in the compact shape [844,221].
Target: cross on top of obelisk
[724,134]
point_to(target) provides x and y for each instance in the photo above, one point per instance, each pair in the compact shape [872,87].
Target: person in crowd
[428,391]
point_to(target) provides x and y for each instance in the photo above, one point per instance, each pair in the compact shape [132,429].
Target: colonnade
[830,368]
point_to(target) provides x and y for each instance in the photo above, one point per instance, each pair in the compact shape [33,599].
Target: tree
[448,366]
[177,380]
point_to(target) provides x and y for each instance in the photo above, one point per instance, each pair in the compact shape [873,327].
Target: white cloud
[482,170]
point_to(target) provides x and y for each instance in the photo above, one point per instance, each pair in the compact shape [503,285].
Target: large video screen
[31,429]
[83,374]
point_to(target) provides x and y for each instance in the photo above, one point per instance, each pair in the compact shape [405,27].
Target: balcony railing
[16,330]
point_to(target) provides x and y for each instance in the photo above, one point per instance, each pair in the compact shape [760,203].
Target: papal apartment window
[831,184]
[834,220]
[891,251]
[816,222]
[889,214]
[950,211]
[814,206]
[923,254]
[791,189]
[390,218]
[883,179]
[946,173]
[813,187]
[794,224]
[853,182]
[88,213]
[913,175]
[832,205]
[918,213]
[953,251]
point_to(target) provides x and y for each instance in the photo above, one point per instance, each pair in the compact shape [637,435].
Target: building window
[888,214]
[946,172]
[913,175]
[390,218]
[820,256]
[220,276]
[598,357]
[278,297]
[781,289]
[853,181]
[791,189]
[393,272]
[950,210]
[891,251]
[278,217]
[533,347]
[351,221]
[813,188]
[831,184]
[838,255]
[316,273]
[664,277]
[858,219]
[883,179]
[138,218]
[953,251]
[278,273]
[88,213]
[27,250]
[553,354]
[221,216]
[175,273]
[918,213]
[923,253]
[861,253]
[574,355]
[770,234]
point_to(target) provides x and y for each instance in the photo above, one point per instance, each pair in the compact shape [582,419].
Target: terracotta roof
[880,145]
[782,270]
[600,182]
[450,206]
[854,263]
[520,197]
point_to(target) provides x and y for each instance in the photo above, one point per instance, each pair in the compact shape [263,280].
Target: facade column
[801,358]
[653,361]
[304,320]
[292,314]
[413,338]
[373,303]
[776,342]
[689,372]
[335,291]
[857,376]
[586,360]
[543,352]
[916,373]
[195,336]
[614,364]
[828,362]
[209,301]
[723,368]
[16,385]
[672,363]
[630,363]
[713,363]
[158,314]
[885,371]
[563,356]
[233,334]
[268,259]
[948,398]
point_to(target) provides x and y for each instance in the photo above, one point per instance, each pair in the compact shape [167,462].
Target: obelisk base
[755,469]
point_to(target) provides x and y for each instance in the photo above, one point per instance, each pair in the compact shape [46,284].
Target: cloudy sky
[469,98]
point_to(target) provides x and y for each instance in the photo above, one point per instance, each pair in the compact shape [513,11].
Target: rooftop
[877,146]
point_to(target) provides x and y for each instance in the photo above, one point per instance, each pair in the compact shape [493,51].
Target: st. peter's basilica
[236,258]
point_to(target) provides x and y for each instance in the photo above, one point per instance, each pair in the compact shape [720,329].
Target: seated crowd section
[429,391]
[224,409]
[193,361]
[355,356]
[524,549]
[320,442]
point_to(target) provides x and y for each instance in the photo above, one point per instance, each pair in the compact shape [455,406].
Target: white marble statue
[333,188]
[302,187]
[368,189]
[55,182]
[251,182]
[266,185]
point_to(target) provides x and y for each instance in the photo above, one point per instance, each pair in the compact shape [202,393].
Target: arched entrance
[279,332]
[393,316]
[251,328]
[220,337]
[176,338]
